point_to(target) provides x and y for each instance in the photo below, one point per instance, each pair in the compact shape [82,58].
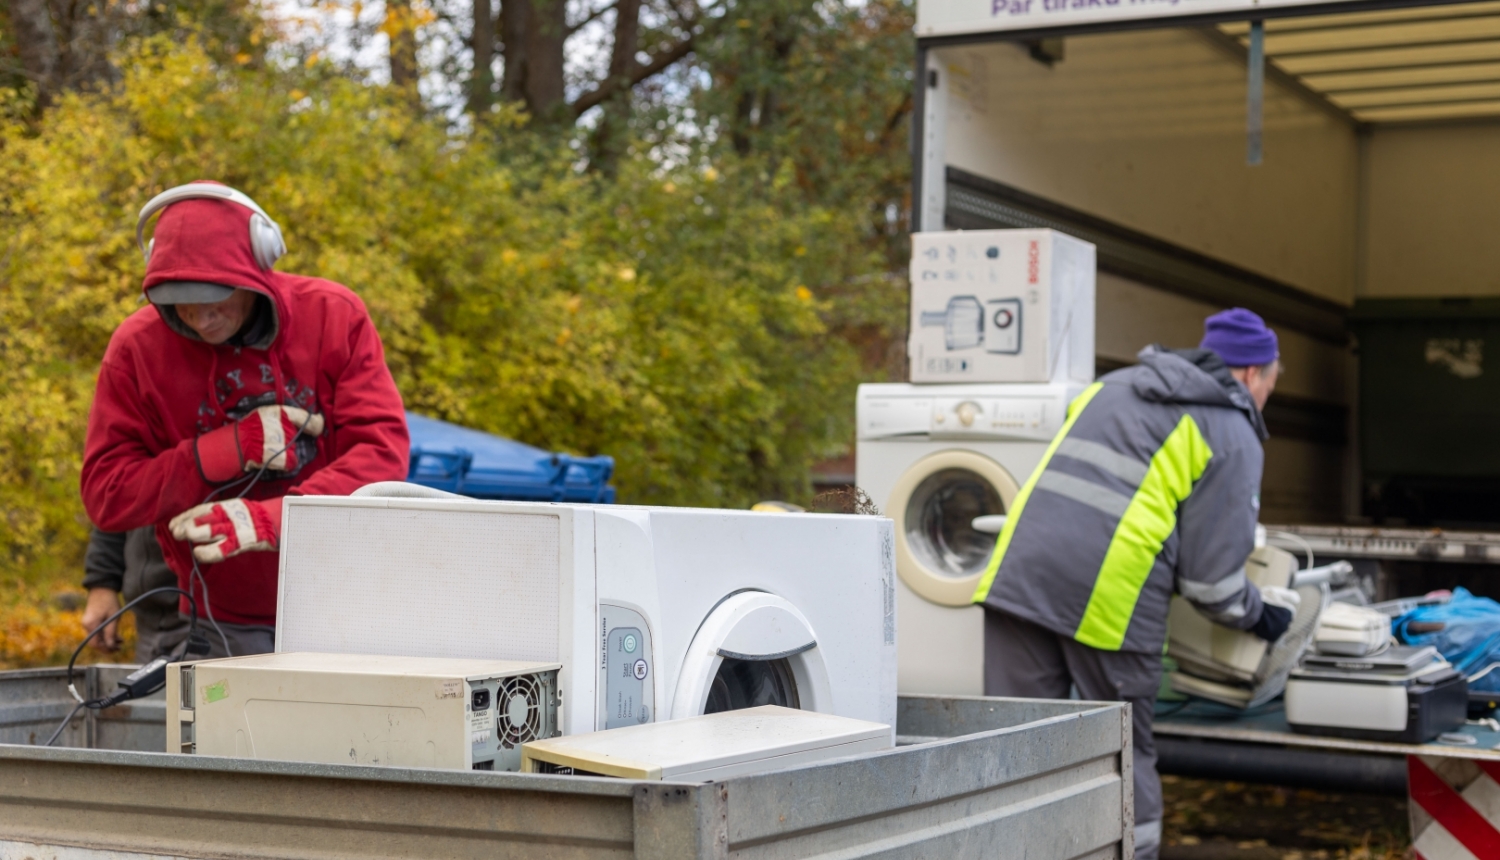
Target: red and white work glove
[225,529]
[262,438]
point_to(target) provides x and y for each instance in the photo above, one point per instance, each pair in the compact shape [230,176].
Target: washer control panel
[627,675]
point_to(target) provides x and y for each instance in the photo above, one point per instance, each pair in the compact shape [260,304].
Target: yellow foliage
[36,631]
[514,294]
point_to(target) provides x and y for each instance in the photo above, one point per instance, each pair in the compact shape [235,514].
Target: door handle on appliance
[779,655]
[991,524]
[1336,572]
[403,490]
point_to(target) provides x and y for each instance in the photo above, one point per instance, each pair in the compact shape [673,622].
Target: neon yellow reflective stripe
[1147,523]
[1014,514]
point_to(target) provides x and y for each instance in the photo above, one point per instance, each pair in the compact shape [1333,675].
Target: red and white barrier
[1455,807]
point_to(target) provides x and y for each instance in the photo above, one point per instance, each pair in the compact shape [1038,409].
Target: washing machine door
[753,649]
[939,553]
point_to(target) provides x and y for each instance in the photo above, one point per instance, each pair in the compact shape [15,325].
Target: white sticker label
[481,723]
[449,689]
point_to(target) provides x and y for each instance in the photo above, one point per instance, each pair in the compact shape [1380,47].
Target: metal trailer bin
[974,777]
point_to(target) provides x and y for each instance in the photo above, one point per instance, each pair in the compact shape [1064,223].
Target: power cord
[252,480]
[143,681]
[153,676]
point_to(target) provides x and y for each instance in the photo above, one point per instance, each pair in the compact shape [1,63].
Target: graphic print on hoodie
[160,387]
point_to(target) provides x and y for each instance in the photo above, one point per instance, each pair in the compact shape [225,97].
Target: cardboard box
[1001,306]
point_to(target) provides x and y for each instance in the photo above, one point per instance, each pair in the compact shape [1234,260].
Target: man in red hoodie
[238,386]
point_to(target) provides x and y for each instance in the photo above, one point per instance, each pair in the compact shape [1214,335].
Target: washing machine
[654,613]
[944,463]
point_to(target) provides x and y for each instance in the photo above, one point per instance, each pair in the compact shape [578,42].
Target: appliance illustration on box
[1001,306]
[653,613]
[936,458]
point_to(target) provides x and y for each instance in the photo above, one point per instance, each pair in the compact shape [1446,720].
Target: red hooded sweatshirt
[160,386]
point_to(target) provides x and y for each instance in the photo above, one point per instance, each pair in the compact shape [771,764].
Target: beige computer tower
[362,709]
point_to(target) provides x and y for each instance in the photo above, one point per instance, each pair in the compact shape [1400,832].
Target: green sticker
[214,692]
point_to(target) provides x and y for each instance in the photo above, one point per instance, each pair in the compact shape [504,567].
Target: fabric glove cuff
[218,455]
[1274,621]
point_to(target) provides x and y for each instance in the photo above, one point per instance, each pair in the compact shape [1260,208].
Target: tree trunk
[401,29]
[37,41]
[611,133]
[546,30]
[482,42]
[514,18]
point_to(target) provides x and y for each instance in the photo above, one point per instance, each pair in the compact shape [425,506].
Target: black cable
[192,626]
[253,480]
[73,660]
[193,601]
[64,724]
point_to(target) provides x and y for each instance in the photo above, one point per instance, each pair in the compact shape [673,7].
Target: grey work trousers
[1031,662]
[243,639]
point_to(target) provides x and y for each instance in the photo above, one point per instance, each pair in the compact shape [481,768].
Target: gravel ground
[1208,820]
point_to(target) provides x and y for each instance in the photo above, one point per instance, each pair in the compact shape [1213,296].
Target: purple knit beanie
[1240,337]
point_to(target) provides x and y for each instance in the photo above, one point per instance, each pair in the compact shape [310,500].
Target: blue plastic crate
[471,463]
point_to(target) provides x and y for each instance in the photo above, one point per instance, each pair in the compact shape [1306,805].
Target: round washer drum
[939,554]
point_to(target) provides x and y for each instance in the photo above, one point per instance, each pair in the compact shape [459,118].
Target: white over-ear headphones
[265,235]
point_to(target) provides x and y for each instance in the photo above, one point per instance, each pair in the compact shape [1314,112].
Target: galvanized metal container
[975,777]
[34,701]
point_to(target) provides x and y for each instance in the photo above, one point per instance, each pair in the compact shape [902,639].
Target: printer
[1405,694]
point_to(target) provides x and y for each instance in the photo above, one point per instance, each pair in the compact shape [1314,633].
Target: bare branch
[895,119]
[590,18]
[659,61]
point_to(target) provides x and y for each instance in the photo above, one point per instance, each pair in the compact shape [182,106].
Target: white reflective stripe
[244,526]
[1087,492]
[1147,835]
[1213,592]
[1436,843]
[1235,612]
[273,445]
[1127,469]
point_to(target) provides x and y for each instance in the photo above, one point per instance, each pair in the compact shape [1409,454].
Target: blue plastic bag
[1470,638]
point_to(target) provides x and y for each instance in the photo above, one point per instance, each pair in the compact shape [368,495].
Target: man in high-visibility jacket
[1152,486]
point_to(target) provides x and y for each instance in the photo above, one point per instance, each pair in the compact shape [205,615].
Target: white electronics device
[360,709]
[1351,631]
[654,613]
[1404,694]
[1001,306]
[1234,667]
[710,747]
[934,458]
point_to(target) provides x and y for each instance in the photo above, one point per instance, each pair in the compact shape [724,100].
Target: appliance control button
[629,643]
[640,670]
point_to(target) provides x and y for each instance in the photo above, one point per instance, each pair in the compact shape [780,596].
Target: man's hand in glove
[1277,607]
[226,529]
[262,438]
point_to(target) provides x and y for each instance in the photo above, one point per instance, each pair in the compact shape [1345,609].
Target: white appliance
[1001,306]
[933,458]
[1404,694]
[360,709]
[713,746]
[1352,631]
[654,613]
